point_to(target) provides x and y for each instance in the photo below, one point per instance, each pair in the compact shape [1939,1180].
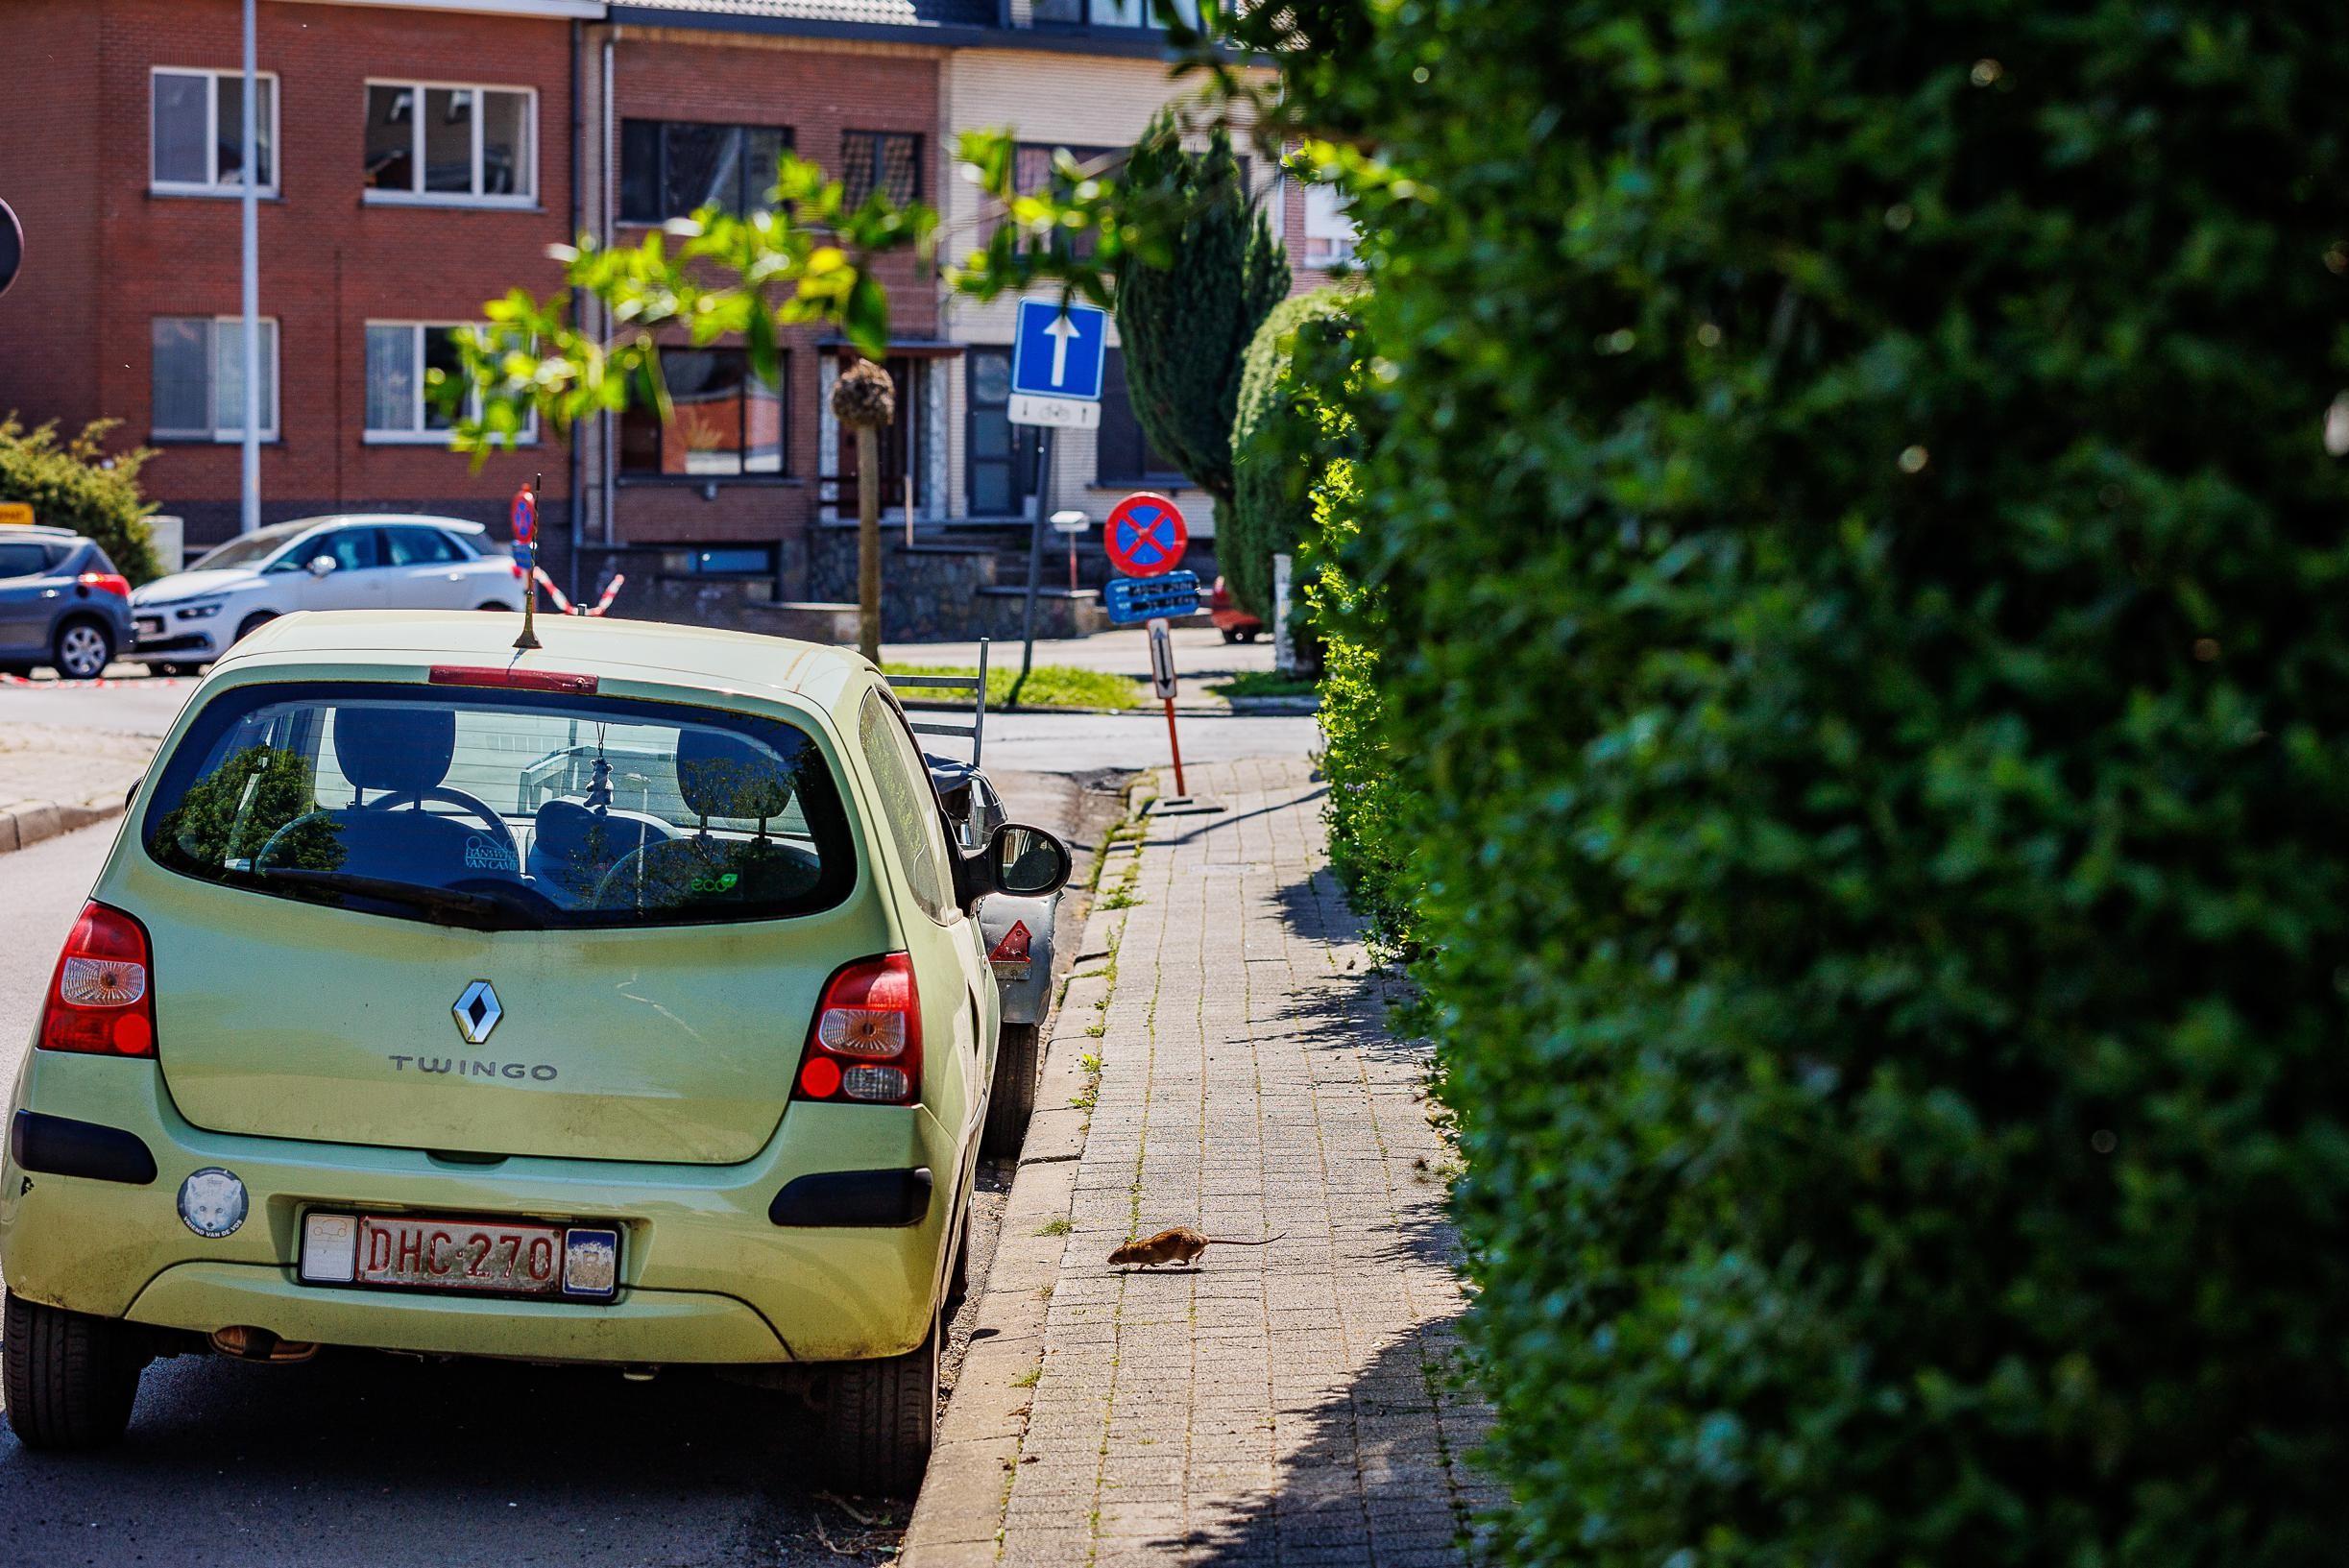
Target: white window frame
[211,134]
[421,436]
[225,434]
[417,196]
[1337,210]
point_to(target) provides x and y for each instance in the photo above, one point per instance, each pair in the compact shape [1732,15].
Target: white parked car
[391,561]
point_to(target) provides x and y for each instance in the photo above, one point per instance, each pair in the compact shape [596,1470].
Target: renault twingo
[614,1001]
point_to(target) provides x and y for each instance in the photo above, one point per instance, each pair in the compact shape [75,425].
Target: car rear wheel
[71,1380]
[880,1417]
[492,605]
[171,670]
[1018,1059]
[83,650]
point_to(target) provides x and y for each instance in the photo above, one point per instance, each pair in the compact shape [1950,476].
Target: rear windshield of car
[502,810]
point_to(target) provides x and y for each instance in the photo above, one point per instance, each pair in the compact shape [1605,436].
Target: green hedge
[1273,465]
[79,485]
[1862,610]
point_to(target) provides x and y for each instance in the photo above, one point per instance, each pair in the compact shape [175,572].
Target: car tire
[254,622]
[71,1380]
[81,649]
[880,1420]
[1230,635]
[494,605]
[171,670]
[1018,1060]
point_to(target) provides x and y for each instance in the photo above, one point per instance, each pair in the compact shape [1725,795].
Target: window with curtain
[199,378]
[881,160]
[1033,171]
[727,421]
[673,168]
[400,358]
[197,132]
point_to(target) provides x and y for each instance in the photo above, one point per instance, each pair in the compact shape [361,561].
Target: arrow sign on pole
[1058,352]
[1062,330]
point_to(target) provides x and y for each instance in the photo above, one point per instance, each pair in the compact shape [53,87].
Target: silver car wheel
[81,653]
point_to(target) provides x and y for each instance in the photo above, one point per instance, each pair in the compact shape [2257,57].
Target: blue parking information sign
[1057,354]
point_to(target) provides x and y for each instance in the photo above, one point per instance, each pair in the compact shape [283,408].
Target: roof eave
[1141,45]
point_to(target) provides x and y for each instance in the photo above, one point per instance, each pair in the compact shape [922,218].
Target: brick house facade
[131,263]
[700,85]
[128,303]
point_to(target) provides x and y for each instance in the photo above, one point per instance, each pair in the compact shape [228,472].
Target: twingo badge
[523,515]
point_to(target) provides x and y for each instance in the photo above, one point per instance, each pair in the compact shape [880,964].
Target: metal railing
[975,730]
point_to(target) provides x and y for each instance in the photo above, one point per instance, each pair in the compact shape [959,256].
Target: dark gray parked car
[61,603]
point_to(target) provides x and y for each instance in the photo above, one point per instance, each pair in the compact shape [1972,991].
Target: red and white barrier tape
[565,607]
[97,680]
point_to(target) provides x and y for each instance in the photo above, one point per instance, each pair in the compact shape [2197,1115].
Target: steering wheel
[470,805]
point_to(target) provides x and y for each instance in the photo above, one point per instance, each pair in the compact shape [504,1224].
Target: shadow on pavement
[1379,1475]
[366,1459]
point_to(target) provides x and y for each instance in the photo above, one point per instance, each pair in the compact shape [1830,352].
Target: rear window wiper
[476,911]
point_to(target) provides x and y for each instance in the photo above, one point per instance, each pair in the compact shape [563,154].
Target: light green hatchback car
[616,1002]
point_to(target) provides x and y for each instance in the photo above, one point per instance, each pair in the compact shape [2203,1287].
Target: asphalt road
[357,1458]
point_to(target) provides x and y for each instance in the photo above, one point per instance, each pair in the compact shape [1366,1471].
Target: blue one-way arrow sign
[1056,354]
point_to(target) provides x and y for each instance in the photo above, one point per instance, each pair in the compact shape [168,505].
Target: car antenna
[524,517]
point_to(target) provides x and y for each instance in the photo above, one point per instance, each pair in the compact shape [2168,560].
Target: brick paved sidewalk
[1291,1403]
[54,780]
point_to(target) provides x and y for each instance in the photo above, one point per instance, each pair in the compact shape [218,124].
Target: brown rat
[1179,1244]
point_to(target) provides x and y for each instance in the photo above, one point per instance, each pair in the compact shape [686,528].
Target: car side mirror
[1024,862]
[320,566]
[1027,862]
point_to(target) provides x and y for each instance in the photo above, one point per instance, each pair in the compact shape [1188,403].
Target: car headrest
[406,749]
[725,775]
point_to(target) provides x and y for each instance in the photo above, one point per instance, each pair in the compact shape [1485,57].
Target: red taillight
[102,999]
[513,680]
[865,1045]
[105,582]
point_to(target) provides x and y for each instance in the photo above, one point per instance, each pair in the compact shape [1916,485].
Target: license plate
[150,625]
[477,1257]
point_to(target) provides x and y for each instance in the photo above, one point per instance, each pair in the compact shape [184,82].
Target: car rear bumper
[707,1274]
[647,1326]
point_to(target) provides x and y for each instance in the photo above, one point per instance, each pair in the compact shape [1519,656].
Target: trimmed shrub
[80,486]
[1862,608]
[1274,444]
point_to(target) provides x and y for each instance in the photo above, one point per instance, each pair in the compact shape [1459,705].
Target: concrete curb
[959,1514]
[28,822]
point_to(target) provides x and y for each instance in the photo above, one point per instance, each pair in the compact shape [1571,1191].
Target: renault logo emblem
[477,1012]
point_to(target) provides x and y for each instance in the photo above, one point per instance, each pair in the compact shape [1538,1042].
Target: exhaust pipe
[256,1344]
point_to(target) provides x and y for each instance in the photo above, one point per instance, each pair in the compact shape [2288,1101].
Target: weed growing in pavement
[1058,1225]
[1085,1098]
[1029,1378]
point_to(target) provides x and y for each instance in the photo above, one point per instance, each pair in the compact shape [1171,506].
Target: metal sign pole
[1035,556]
[1162,677]
[249,512]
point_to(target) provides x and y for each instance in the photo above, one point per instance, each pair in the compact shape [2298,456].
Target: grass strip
[1047,686]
